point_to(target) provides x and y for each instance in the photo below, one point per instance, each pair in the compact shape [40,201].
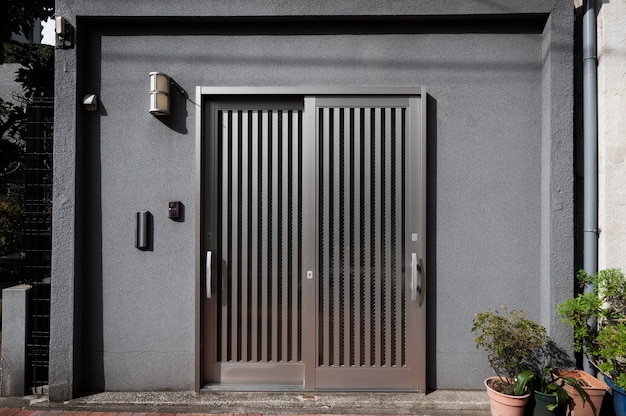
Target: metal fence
[37,234]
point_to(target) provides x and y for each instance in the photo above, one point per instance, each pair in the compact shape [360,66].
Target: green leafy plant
[546,360]
[598,317]
[522,380]
[611,352]
[511,342]
[547,382]
[11,217]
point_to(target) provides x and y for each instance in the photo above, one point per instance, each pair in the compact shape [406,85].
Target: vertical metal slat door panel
[372,253]
[347,358]
[362,197]
[259,295]
[396,218]
[387,231]
[264,240]
[356,196]
[274,237]
[230,148]
[323,265]
[295,233]
[283,226]
[365,226]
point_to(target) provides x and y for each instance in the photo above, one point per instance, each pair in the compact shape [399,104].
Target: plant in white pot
[511,342]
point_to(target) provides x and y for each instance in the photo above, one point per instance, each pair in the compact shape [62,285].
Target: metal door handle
[415,270]
[208,274]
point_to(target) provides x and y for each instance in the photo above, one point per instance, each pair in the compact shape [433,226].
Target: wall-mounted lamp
[59,26]
[63,33]
[144,231]
[159,94]
[90,102]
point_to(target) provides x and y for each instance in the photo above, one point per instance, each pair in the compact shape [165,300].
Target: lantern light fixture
[64,33]
[159,94]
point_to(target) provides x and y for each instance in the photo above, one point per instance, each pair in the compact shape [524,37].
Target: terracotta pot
[594,390]
[503,404]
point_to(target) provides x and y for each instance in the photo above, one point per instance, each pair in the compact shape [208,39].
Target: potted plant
[597,317]
[510,341]
[611,342]
[551,390]
[587,402]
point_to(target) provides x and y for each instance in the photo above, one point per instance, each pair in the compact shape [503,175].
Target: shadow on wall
[431,240]
[90,371]
[177,120]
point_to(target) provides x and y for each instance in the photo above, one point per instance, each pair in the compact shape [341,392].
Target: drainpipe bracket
[594,230]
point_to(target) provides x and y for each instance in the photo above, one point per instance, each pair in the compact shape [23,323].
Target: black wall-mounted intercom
[173,210]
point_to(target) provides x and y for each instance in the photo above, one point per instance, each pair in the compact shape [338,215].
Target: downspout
[590,149]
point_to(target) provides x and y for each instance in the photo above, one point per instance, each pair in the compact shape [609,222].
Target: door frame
[416,180]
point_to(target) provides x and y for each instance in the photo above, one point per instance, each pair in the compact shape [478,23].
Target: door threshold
[244,388]
[250,387]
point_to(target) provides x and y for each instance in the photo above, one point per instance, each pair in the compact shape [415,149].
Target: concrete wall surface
[611,134]
[499,165]
[14,323]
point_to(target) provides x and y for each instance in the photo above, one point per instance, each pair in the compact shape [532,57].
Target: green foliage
[11,215]
[578,312]
[19,16]
[37,67]
[611,287]
[11,156]
[510,340]
[36,75]
[611,352]
[522,380]
[12,122]
[519,349]
[12,126]
[597,318]
[547,359]
[548,382]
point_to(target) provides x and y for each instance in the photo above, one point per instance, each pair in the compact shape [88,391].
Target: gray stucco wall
[499,165]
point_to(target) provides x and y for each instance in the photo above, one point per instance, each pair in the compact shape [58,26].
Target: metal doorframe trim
[335,91]
[198,242]
[304,91]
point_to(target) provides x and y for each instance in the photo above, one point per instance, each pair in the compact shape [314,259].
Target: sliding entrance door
[313,242]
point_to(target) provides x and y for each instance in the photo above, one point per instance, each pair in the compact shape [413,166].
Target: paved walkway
[439,403]
[55,412]
[26,412]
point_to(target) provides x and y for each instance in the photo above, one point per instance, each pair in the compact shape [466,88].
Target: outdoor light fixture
[159,94]
[59,26]
[90,102]
[143,240]
[63,32]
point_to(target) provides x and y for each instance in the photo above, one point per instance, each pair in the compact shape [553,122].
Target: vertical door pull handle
[208,274]
[415,270]
[413,276]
